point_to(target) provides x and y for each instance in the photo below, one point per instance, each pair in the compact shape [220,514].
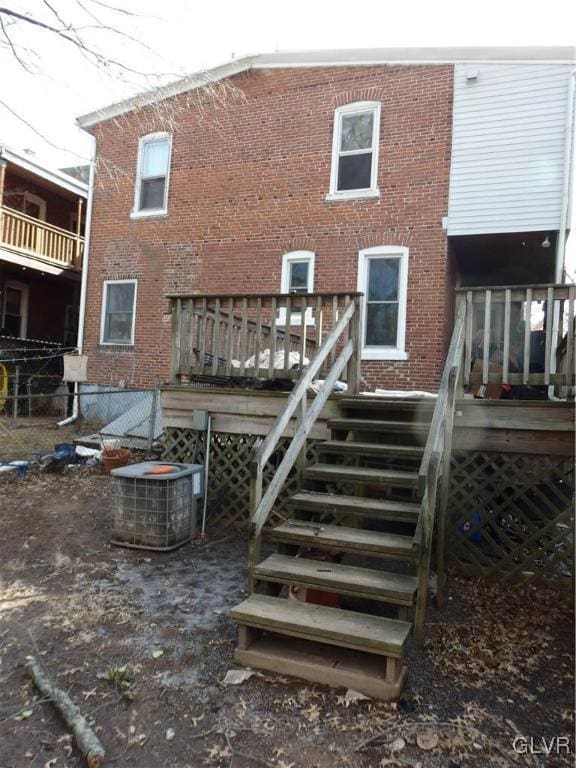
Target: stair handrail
[261,503]
[435,467]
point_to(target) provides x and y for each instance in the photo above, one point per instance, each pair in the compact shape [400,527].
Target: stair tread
[378,425]
[336,472]
[328,625]
[347,579]
[333,502]
[375,449]
[343,538]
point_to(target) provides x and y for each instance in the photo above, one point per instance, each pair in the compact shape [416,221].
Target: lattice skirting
[229,476]
[511,515]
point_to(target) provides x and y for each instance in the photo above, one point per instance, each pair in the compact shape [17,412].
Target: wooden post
[445,484]
[427,509]
[355,334]
[78,231]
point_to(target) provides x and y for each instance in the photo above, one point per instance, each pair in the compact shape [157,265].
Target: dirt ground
[142,641]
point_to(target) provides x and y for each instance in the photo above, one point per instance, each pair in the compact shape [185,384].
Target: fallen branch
[85,737]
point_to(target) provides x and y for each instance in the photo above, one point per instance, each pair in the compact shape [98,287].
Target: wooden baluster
[319,320]
[334,321]
[176,307]
[216,337]
[468,344]
[527,329]
[202,331]
[229,336]
[506,341]
[273,341]
[549,327]
[486,342]
[288,333]
[570,338]
[303,309]
[244,337]
[257,337]
[185,340]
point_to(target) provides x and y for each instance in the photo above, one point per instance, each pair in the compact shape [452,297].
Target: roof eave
[334,58]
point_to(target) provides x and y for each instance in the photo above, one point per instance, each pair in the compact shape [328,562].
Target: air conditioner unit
[154,504]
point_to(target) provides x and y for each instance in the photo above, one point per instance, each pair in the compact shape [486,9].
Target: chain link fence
[38,413]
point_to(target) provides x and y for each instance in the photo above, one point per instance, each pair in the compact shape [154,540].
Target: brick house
[327,171]
[41,248]
[398,218]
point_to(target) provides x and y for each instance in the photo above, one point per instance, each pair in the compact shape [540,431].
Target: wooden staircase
[359,503]
[347,585]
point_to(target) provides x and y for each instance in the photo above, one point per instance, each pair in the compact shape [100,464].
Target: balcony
[31,237]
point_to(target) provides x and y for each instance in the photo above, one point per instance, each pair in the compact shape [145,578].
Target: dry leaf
[237,676]
[398,744]
[427,739]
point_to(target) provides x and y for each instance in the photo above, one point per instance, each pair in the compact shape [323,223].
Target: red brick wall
[248,183]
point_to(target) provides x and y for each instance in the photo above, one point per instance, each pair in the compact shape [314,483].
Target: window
[383,279]
[15,309]
[151,195]
[297,277]
[118,311]
[355,151]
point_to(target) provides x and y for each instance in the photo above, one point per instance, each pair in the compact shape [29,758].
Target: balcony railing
[262,336]
[24,234]
[520,335]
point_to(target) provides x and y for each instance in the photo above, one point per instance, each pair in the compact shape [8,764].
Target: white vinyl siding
[507,148]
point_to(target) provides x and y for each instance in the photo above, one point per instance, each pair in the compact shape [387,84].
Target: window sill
[148,214]
[122,344]
[353,194]
[383,353]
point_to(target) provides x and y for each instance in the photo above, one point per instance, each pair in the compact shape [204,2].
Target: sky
[172,38]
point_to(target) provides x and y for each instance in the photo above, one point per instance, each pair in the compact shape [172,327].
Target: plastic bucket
[113,458]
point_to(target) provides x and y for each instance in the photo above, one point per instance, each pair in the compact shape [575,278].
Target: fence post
[16,389]
[152,425]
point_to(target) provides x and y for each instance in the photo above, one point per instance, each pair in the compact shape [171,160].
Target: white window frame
[25,300]
[287,260]
[357,107]
[105,285]
[137,213]
[397,352]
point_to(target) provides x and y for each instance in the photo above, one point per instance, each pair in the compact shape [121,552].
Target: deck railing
[520,335]
[254,335]
[29,236]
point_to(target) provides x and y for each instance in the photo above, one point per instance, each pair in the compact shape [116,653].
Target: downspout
[83,286]
[564,203]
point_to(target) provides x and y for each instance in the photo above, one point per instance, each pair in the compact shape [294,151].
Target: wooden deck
[522,426]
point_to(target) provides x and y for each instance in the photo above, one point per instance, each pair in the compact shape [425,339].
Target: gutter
[559,272]
[83,286]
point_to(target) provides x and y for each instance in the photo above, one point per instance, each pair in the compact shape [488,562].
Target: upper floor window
[383,279]
[297,278]
[355,151]
[118,312]
[151,194]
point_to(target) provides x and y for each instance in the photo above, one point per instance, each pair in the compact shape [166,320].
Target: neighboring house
[400,174]
[42,215]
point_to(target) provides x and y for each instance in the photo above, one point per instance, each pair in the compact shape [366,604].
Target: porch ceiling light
[546,242]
